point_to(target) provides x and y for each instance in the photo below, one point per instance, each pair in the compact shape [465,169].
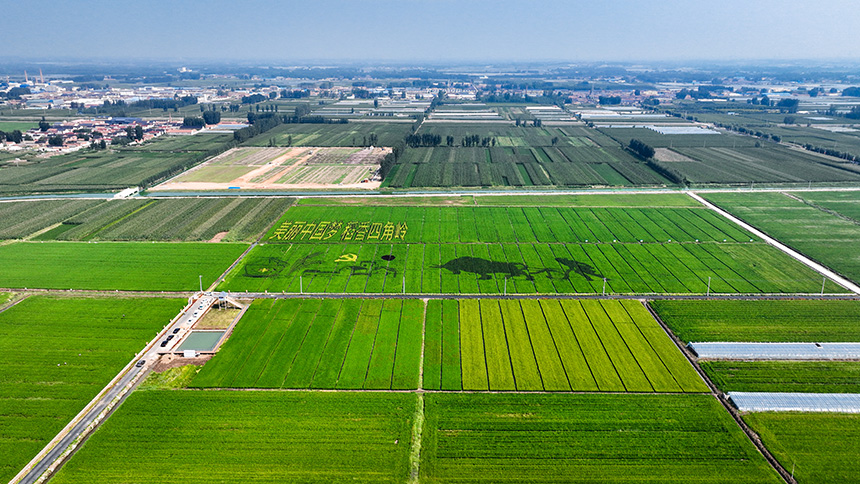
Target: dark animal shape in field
[485,267]
[584,270]
[365,268]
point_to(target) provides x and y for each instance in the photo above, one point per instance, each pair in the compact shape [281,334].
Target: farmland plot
[273,168]
[820,235]
[552,345]
[762,321]
[348,134]
[819,448]
[213,219]
[312,343]
[545,250]
[785,376]
[583,438]
[114,265]
[56,355]
[259,436]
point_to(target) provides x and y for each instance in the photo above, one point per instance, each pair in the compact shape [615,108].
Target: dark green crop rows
[313,343]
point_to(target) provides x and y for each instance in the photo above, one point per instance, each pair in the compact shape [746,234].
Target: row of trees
[641,149]
[426,140]
[522,122]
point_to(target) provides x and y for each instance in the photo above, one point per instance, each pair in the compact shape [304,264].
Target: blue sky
[432,30]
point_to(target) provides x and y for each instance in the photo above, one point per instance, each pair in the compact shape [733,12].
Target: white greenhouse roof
[777,351]
[796,402]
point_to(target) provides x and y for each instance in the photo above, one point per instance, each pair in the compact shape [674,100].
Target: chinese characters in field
[340,231]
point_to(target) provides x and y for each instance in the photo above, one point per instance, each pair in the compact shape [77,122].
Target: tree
[193,122]
[55,140]
[44,125]
[138,132]
[16,136]
[211,117]
[609,100]
[788,105]
[789,120]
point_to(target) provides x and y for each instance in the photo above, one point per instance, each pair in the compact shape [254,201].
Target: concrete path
[791,252]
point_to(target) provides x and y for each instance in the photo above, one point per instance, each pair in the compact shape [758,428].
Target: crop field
[231,164]
[585,438]
[350,134]
[23,126]
[230,220]
[773,164]
[249,436]
[846,204]
[551,345]
[507,134]
[762,321]
[654,139]
[22,219]
[199,142]
[520,166]
[114,265]
[56,355]
[277,168]
[108,170]
[820,235]
[514,249]
[820,448]
[321,343]
[785,376]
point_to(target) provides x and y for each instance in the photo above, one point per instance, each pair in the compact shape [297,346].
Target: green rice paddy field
[56,355]
[497,345]
[762,321]
[819,448]
[250,437]
[826,236]
[515,249]
[328,343]
[784,376]
[551,345]
[585,438]
[114,265]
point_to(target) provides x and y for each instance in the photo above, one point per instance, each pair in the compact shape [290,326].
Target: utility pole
[604,286]
[201,283]
[709,286]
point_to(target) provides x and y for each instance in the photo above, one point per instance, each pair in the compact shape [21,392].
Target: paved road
[79,429]
[177,330]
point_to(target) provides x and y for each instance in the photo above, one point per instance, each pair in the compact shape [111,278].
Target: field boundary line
[721,397]
[13,302]
[784,248]
[423,344]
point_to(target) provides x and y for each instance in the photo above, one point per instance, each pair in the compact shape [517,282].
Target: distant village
[101,123]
